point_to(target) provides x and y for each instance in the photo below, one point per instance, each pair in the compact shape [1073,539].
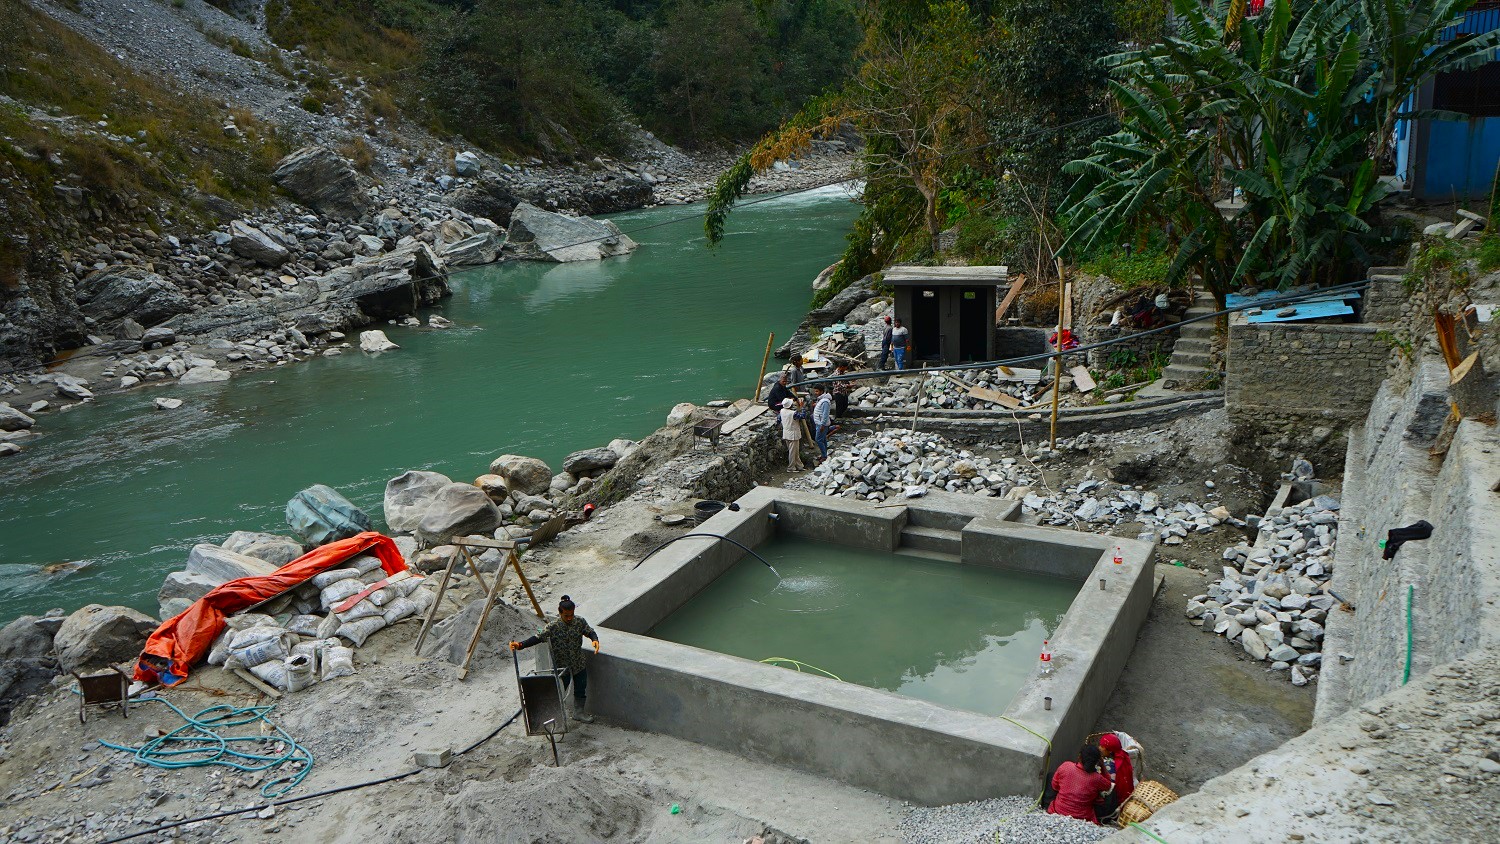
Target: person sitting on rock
[565,638]
[1079,785]
[1148,313]
[780,391]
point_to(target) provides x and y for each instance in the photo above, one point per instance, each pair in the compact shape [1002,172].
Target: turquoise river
[543,360]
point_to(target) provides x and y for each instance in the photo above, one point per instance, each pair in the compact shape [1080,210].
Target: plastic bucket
[705,510]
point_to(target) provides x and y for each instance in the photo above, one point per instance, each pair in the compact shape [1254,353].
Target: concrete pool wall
[875,739]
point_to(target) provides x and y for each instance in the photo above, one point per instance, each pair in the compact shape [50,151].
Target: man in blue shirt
[822,415]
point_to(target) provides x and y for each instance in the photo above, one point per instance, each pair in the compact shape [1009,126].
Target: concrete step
[1197,331]
[1399,272]
[1191,359]
[941,556]
[920,516]
[1184,374]
[1192,345]
[931,539]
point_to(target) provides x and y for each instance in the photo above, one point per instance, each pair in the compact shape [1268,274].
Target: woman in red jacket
[1079,785]
[1117,765]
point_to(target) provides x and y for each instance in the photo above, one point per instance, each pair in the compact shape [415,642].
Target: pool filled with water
[959,635]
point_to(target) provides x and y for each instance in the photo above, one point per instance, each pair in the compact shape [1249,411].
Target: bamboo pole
[1057,360]
[761,379]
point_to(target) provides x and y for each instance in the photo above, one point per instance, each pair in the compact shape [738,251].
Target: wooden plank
[1082,379]
[743,419]
[994,396]
[1067,305]
[481,542]
[1010,297]
[255,681]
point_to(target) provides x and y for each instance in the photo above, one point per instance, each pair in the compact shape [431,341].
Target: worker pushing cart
[565,638]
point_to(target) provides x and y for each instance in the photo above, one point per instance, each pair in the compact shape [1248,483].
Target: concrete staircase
[933,534]
[1192,354]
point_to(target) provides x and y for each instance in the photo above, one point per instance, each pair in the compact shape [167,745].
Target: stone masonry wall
[1141,345]
[1391,479]
[1282,374]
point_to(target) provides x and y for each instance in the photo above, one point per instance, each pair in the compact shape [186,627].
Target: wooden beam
[1010,297]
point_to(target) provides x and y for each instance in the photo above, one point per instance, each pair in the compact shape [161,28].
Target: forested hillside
[572,76]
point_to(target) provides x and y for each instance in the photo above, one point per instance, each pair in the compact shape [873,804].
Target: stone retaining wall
[1391,480]
[1142,345]
[1284,374]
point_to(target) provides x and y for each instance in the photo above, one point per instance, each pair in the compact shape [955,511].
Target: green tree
[710,69]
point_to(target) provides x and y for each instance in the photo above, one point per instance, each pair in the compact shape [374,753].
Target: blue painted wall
[1461,158]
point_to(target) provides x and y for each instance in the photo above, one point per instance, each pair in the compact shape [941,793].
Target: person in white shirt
[822,417]
[900,337]
[791,434]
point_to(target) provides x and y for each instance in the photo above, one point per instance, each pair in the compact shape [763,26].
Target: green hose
[1148,832]
[197,742]
[1035,804]
[784,661]
[1411,591]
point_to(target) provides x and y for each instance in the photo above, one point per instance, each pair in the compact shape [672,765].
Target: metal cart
[103,688]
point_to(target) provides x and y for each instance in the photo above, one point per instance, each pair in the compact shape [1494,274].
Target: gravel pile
[1272,599]
[941,392]
[1098,506]
[907,464]
[1008,820]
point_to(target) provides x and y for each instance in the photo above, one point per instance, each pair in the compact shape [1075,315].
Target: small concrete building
[950,311]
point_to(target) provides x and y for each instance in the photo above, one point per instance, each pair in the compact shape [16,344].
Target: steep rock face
[537,235]
[323,181]
[38,314]
[119,292]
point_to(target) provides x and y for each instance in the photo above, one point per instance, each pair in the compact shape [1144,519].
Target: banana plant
[1281,114]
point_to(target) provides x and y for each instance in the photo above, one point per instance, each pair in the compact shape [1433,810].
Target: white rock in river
[375,341]
[204,375]
[538,235]
[167,404]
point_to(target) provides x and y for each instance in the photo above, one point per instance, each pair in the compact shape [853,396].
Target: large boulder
[247,241]
[320,515]
[457,510]
[537,235]
[99,636]
[392,284]
[180,589]
[375,341]
[320,179]
[524,475]
[485,197]
[204,375]
[481,248]
[24,639]
[222,565]
[590,462]
[119,292]
[493,486]
[12,419]
[407,497]
[273,548]
[21,678]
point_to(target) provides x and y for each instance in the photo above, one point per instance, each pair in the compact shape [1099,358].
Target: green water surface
[543,360]
[963,636]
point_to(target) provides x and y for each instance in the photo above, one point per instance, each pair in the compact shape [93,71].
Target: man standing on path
[822,415]
[565,638]
[791,434]
[900,337]
[885,344]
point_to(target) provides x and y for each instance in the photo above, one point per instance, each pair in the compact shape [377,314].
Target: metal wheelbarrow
[542,708]
[103,688]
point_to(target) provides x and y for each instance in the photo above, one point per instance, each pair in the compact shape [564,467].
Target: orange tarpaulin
[184,639]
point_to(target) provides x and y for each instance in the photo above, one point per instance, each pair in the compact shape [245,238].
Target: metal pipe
[743,547]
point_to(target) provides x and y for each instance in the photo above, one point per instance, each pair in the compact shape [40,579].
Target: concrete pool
[879,619]
[888,741]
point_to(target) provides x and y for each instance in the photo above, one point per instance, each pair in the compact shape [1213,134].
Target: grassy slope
[47,66]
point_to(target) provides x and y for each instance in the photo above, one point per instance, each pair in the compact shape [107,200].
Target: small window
[928,294]
[969,294]
[1472,92]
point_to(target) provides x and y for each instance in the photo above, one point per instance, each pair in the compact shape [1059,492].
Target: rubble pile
[1273,599]
[941,392]
[1095,505]
[909,464]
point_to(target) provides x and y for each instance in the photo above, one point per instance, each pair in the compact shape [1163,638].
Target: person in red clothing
[1117,765]
[1079,785]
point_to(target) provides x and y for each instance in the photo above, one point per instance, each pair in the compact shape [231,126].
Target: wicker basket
[1147,798]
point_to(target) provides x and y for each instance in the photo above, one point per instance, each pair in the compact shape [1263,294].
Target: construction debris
[902,463]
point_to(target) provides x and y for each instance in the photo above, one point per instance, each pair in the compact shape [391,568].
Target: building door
[926,324]
[972,324]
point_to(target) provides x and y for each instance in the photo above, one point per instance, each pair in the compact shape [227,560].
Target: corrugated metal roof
[947,275]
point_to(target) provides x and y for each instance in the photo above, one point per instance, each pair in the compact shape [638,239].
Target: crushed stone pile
[909,464]
[942,392]
[1007,820]
[1273,598]
[1098,505]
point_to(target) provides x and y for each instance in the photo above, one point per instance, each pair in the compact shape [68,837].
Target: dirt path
[1197,704]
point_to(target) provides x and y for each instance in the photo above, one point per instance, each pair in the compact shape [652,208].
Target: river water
[543,360]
